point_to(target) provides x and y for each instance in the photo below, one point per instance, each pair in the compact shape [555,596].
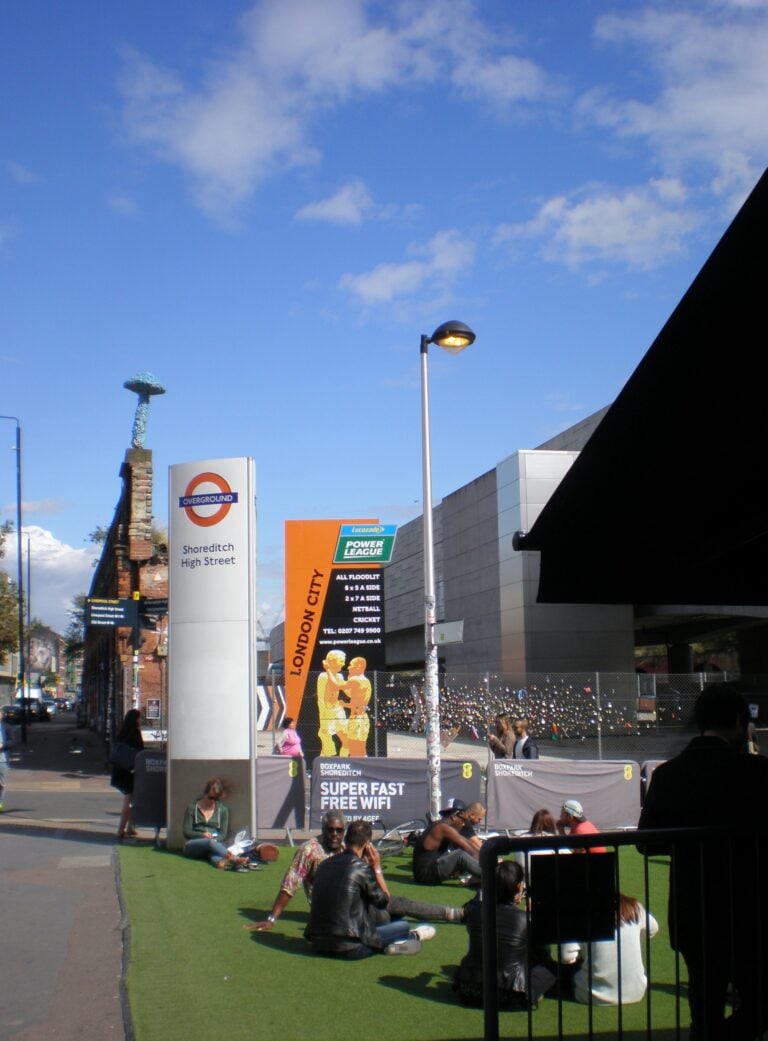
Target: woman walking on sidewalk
[122,778]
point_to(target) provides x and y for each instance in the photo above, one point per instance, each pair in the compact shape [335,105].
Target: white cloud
[40,506]
[349,205]
[123,204]
[508,80]
[561,401]
[252,112]
[7,233]
[641,227]
[20,173]
[445,256]
[58,573]
[709,101]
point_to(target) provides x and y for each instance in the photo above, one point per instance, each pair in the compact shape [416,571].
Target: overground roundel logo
[222,498]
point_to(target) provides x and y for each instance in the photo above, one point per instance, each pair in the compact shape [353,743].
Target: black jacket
[712,890]
[530,749]
[512,953]
[344,892]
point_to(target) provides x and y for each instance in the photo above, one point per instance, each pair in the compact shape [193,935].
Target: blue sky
[266,204]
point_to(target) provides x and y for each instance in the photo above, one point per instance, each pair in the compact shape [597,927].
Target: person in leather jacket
[517,987]
[346,890]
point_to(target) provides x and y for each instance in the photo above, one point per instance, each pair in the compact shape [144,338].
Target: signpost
[212,632]
[111,612]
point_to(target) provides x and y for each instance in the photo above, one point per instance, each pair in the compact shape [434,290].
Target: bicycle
[399,838]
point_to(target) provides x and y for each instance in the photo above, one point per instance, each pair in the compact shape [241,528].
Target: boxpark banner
[334,630]
[389,791]
[517,788]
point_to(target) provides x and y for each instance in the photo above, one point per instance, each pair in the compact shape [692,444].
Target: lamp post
[452,337]
[19,578]
[28,598]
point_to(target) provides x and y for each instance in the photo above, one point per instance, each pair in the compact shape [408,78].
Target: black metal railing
[576,898]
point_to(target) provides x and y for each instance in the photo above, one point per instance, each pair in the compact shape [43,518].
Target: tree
[49,682]
[9,605]
[99,535]
[74,637]
[158,537]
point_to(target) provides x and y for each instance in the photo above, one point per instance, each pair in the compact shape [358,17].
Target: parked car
[11,713]
[36,709]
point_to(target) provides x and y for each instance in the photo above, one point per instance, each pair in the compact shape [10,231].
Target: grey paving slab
[61,953]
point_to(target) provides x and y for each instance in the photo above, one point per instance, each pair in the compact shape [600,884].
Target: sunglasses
[335,829]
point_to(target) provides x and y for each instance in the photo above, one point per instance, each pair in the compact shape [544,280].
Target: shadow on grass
[252,914]
[437,987]
[431,986]
[293,945]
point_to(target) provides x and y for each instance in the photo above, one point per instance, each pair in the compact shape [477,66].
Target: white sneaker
[410,945]
[423,932]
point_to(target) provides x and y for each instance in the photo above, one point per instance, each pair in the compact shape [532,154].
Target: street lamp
[28,598]
[452,337]
[19,578]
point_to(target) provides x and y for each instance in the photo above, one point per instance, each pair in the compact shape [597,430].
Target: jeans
[387,933]
[457,862]
[205,849]
[400,906]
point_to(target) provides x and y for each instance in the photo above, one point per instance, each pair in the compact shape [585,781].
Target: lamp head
[453,337]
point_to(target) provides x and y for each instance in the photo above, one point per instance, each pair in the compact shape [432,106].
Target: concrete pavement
[61,923]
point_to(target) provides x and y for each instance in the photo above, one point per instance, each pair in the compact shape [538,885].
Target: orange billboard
[334,629]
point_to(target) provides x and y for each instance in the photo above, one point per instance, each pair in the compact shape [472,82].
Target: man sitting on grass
[347,890]
[573,822]
[304,867]
[442,852]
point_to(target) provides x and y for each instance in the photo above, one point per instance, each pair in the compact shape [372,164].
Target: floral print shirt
[303,867]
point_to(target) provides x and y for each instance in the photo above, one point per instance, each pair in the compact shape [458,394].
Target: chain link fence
[593,715]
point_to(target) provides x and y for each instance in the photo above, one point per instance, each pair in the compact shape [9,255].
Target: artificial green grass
[195,975]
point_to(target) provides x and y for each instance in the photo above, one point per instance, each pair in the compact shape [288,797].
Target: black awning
[668,501]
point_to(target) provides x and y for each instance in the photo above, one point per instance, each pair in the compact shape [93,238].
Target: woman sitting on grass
[206,824]
[515,987]
[542,823]
[607,987]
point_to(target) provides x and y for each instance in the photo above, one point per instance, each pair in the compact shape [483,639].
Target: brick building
[124,666]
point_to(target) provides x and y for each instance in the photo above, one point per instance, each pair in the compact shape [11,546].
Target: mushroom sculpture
[144,385]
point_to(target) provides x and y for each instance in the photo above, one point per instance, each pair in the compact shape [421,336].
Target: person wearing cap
[442,852]
[572,818]
[473,815]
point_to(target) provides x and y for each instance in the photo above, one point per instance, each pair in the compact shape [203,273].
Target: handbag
[123,756]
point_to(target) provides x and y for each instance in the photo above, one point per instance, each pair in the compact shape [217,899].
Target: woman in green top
[206,824]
